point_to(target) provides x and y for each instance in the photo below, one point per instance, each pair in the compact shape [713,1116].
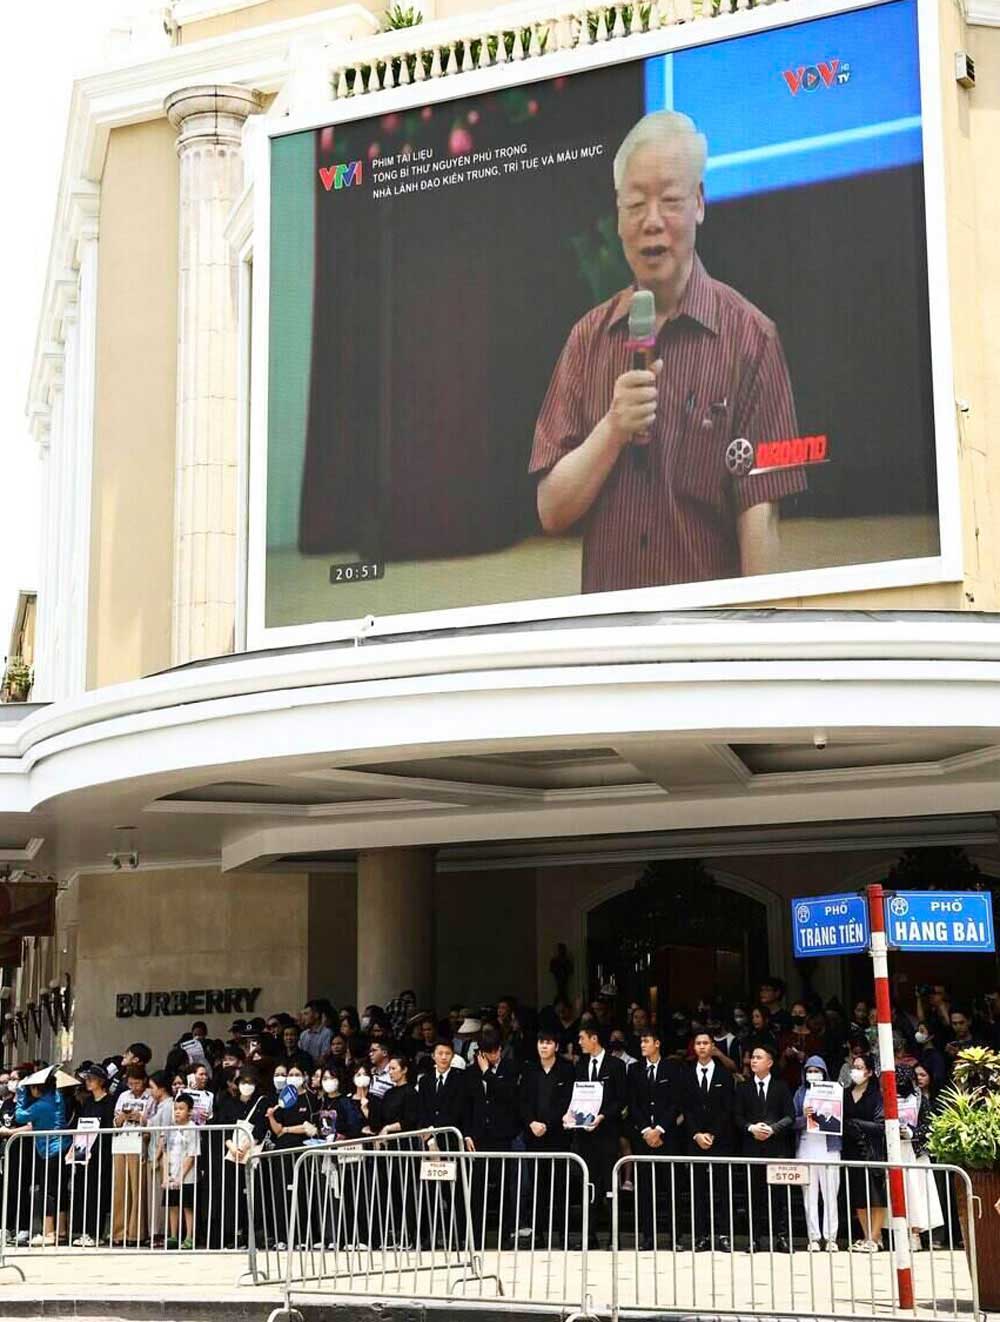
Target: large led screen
[658,324]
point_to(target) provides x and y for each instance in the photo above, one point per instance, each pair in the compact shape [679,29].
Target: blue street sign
[829,925]
[940,920]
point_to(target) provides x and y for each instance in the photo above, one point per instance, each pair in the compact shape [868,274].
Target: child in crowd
[180,1156]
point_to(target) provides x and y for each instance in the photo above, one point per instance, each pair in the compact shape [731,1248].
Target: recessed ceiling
[240,791]
[762,759]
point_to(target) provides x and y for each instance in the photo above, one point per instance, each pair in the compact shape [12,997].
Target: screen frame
[946,567]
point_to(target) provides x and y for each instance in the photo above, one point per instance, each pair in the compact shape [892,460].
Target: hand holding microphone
[633,406]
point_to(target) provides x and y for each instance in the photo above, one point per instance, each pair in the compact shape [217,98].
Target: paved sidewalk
[181,1286]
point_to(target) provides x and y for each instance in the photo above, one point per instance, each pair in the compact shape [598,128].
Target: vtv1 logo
[340,176]
[808,77]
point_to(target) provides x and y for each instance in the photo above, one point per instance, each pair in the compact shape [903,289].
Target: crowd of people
[118,1151]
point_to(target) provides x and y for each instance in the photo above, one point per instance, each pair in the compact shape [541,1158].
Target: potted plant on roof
[17,680]
[965,1132]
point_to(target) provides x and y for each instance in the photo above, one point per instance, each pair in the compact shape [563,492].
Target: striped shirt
[670,516]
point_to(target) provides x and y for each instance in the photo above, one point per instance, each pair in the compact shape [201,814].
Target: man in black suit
[653,1108]
[765,1121]
[708,1099]
[597,1143]
[544,1096]
[491,1125]
[442,1096]
[442,1101]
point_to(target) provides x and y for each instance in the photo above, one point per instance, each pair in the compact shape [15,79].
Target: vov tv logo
[337,177]
[811,77]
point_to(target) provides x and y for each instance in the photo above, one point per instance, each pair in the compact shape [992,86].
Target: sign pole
[890,1103]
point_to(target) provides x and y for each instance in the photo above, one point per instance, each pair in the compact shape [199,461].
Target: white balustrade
[451,47]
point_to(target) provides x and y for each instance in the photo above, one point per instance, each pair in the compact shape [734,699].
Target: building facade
[250,791]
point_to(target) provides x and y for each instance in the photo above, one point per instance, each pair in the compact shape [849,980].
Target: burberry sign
[225,1000]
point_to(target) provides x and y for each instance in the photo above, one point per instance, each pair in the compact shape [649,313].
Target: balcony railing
[479,40]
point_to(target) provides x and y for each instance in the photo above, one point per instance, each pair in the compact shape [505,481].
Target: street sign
[940,920]
[829,925]
[787,1172]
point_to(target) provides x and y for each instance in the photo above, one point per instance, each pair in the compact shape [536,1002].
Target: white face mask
[858,1076]
[12,1085]
[279,1081]
[295,1081]
[361,1080]
[330,1086]
[366,1023]
[247,1090]
[814,1076]
[920,1037]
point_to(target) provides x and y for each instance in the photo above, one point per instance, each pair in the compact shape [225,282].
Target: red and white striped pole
[890,1101]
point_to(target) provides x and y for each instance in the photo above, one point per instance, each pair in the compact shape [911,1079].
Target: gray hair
[662,127]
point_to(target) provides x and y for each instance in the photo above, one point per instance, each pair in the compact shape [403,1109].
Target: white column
[395,925]
[78,567]
[209,121]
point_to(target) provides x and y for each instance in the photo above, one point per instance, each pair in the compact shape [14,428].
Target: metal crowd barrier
[510,1228]
[722,1235]
[103,1190]
[272,1230]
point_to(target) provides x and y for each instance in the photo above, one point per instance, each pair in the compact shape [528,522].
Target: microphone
[642,346]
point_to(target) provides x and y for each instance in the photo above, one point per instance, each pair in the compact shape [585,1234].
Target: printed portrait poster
[827,1103]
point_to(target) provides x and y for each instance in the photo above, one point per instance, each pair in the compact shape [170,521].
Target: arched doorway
[678,934]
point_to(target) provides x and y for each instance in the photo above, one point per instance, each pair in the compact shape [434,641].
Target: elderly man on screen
[637,457]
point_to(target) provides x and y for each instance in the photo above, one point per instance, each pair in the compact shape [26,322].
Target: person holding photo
[821,1144]
[636,456]
[597,1142]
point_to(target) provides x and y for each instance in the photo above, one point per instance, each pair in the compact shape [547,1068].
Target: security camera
[364,629]
[819,740]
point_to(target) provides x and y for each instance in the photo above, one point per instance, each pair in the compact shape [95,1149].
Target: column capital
[211,113]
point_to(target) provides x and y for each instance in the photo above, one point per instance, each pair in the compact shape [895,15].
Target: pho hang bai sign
[226,1000]
[940,920]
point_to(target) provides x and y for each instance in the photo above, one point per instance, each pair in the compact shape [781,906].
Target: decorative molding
[983,13]
[197,11]
[104,868]
[830,838]
[25,854]
[134,93]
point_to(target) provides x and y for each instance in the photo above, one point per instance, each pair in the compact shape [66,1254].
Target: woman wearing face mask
[362,1083]
[923,1206]
[292,1120]
[815,1145]
[335,1118]
[741,1023]
[248,1115]
[797,1045]
[928,1055]
[864,1140]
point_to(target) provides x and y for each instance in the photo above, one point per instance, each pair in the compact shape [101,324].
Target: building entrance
[678,935]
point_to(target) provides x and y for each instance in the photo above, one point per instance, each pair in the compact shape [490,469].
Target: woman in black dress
[399,1113]
[247,1112]
[864,1140]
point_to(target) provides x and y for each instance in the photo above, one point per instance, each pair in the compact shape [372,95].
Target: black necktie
[440,1082]
[760,1092]
[651,1073]
[593,1069]
[704,1079]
